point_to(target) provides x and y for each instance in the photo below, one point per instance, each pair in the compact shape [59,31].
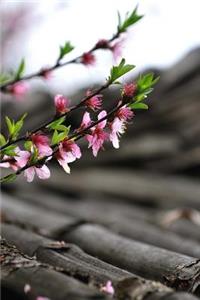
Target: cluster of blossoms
[107,127]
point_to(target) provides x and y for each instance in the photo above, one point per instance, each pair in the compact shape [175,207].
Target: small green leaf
[65,50]
[130,19]
[20,70]
[55,124]
[28,145]
[4,78]
[9,178]
[10,150]
[2,140]
[120,70]
[35,155]
[10,125]
[144,86]
[18,126]
[58,137]
[138,106]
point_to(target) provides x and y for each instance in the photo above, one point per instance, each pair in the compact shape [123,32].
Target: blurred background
[157,165]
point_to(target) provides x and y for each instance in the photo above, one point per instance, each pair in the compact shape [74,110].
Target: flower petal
[29,174]
[43,172]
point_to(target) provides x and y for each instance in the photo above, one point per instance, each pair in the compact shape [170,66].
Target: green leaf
[138,106]
[4,78]
[145,85]
[65,50]
[18,126]
[14,128]
[120,70]
[8,178]
[55,124]
[58,137]
[28,145]
[10,125]
[20,70]
[34,156]
[130,19]
[10,150]
[2,140]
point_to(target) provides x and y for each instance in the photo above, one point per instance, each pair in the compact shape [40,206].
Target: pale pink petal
[86,120]
[65,165]
[44,150]
[115,140]
[76,151]
[43,172]
[108,288]
[101,115]
[27,288]
[29,174]
[5,165]
[22,158]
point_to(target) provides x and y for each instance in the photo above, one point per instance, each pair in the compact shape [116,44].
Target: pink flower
[94,102]
[42,172]
[117,128]
[61,104]
[18,89]
[102,44]
[86,121]
[68,152]
[129,89]
[125,113]
[97,136]
[16,162]
[88,59]
[108,288]
[41,142]
[116,49]
[27,288]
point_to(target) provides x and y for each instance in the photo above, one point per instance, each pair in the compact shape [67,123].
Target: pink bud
[88,59]
[18,89]
[103,44]
[129,89]
[61,104]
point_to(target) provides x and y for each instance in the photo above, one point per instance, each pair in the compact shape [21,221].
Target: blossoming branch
[14,83]
[30,153]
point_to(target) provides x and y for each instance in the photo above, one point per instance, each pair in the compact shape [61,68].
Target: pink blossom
[95,102]
[27,288]
[16,162]
[61,104]
[103,44]
[18,89]
[117,128]
[41,142]
[88,59]
[68,152]
[97,136]
[86,121]
[108,288]
[42,298]
[129,89]
[42,172]
[116,49]
[125,113]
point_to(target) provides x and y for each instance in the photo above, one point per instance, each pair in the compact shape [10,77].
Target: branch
[57,65]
